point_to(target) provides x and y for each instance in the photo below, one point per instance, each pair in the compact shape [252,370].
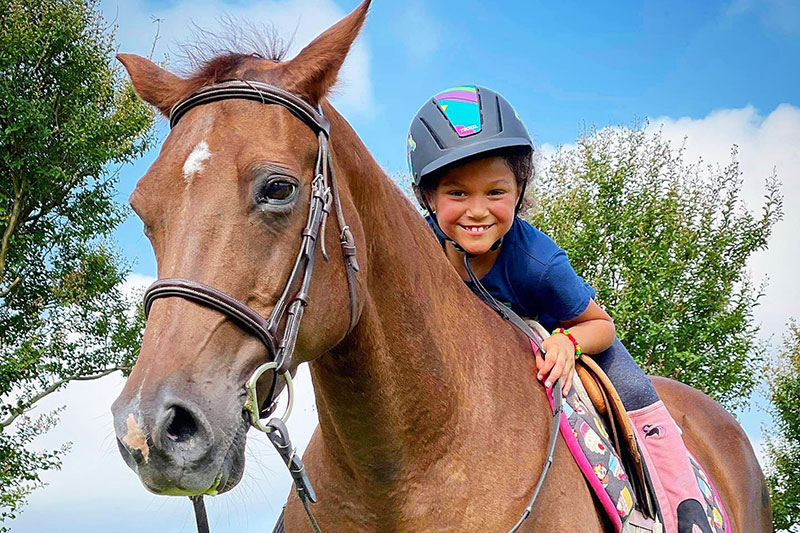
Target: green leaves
[665,243]
[16,460]
[783,448]
[67,116]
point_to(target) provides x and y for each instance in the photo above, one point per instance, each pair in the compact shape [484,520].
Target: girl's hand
[559,361]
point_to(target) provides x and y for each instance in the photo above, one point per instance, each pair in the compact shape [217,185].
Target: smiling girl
[470,158]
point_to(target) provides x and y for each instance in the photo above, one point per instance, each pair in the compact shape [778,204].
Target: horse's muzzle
[174,448]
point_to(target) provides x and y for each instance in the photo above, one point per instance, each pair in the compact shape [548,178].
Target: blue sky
[719,73]
[563,68]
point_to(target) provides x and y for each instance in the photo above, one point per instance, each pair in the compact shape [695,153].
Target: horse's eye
[277,191]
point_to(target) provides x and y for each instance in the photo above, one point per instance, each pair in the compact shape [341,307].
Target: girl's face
[475,203]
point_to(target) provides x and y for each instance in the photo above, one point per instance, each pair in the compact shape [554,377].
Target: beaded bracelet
[571,338]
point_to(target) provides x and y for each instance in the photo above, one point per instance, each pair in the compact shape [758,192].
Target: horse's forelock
[246,51]
[241,50]
[234,37]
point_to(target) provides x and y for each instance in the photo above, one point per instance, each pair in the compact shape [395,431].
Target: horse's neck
[402,387]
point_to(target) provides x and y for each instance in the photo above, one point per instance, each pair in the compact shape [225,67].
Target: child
[470,157]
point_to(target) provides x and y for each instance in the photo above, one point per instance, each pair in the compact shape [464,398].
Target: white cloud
[305,19]
[136,283]
[764,144]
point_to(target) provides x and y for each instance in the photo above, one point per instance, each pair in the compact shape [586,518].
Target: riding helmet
[458,124]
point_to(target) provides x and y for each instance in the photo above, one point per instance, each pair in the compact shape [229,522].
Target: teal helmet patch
[462,108]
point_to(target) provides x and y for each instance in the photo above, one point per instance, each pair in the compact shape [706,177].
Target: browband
[257,92]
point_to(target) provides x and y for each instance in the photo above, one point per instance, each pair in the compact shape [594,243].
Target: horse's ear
[156,86]
[316,67]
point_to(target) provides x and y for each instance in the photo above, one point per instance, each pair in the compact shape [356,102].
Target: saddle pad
[715,511]
[591,448]
[620,427]
[588,441]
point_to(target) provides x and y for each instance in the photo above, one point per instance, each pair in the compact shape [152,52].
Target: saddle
[609,406]
[595,385]
[595,388]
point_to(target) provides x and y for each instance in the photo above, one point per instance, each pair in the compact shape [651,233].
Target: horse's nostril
[182,426]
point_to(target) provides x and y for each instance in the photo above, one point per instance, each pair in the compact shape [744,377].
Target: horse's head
[225,204]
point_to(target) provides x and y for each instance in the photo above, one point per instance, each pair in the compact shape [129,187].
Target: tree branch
[46,208]
[7,290]
[13,223]
[16,412]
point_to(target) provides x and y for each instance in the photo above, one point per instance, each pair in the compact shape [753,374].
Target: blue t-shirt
[533,277]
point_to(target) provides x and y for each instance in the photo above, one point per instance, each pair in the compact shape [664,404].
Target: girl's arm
[593,330]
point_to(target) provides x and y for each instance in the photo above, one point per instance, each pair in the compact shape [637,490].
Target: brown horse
[430,416]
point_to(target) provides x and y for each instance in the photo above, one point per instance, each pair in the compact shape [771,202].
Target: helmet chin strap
[521,196]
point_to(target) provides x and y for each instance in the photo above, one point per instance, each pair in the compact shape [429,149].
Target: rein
[520,324]
[290,306]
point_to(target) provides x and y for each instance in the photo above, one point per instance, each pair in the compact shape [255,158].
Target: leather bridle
[290,306]
[324,192]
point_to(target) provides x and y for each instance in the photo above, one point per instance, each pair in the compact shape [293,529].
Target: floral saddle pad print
[588,440]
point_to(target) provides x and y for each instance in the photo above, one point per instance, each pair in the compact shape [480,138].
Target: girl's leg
[634,387]
[682,503]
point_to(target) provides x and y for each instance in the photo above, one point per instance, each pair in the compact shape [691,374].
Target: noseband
[290,306]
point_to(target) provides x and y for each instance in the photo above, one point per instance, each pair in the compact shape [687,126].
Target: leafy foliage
[665,244]
[16,460]
[66,116]
[783,450]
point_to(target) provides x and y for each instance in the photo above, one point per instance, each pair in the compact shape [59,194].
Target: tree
[665,244]
[67,119]
[783,450]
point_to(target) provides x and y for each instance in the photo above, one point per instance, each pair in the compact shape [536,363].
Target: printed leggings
[634,387]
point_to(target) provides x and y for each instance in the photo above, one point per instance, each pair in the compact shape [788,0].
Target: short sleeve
[564,294]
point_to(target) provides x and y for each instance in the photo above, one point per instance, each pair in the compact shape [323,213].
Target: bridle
[292,302]
[290,306]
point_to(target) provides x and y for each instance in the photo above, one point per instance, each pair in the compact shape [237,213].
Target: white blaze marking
[194,163]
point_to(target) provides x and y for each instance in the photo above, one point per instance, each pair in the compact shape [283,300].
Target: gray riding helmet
[458,124]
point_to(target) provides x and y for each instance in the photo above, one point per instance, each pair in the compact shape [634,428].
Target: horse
[430,415]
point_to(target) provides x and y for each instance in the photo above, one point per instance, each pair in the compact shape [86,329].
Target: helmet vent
[499,115]
[435,137]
